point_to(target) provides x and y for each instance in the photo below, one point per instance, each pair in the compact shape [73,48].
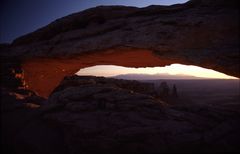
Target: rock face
[199,32]
[99,115]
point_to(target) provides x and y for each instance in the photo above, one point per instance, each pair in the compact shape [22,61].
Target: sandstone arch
[199,32]
[43,75]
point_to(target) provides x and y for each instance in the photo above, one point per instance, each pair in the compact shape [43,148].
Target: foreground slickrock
[100,115]
[87,114]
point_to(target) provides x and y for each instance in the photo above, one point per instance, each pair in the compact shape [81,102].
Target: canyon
[45,108]
[199,32]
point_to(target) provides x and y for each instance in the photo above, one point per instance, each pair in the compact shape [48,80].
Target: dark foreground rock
[99,115]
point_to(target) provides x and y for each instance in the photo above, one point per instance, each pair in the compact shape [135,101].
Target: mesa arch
[51,71]
[200,32]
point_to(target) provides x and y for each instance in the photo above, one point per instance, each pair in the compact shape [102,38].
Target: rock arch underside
[200,32]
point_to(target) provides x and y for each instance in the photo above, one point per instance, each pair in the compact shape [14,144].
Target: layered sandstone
[102,115]
[199,32]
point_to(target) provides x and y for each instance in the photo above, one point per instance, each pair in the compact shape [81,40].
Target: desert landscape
[96,114]
[46,108]
[207,91]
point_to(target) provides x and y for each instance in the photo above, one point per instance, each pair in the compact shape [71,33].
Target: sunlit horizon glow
[173,70]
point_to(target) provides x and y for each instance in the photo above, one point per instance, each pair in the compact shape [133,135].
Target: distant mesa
[155,76]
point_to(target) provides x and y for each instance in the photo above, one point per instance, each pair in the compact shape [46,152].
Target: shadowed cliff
[99,115]
[200,32]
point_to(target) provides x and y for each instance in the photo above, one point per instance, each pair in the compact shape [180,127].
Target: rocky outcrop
[11,73]
[99,115]
[132,85]
[102,115]
[199,32]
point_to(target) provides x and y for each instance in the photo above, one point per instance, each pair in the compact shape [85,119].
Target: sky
[173,69]
[19,17]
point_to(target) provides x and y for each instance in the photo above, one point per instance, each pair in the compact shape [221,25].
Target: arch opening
[173,71]
[175,83]
[42,75]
